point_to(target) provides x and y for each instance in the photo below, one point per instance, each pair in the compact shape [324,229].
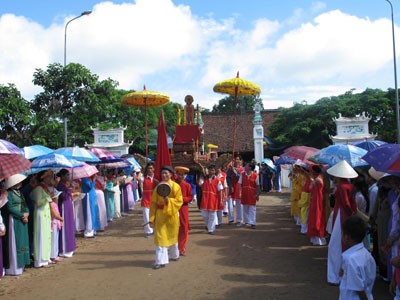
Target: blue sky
[295,50]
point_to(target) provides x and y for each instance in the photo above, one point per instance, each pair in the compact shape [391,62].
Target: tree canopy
[74,93]
[312,125]
[245,104]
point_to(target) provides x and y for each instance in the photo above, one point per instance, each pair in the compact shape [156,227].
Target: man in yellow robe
[164,218]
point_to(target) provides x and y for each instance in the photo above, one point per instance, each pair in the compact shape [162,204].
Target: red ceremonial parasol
[163,156]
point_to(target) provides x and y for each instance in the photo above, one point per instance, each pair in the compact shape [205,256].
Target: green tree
[245,104]
[71,92]
[15,116]
[312,125]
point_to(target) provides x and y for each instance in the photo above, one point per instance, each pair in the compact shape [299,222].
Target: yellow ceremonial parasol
[144,99]
[212,146]
[236,87]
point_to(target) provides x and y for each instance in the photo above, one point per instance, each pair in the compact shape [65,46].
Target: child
[249,191]
[358,266]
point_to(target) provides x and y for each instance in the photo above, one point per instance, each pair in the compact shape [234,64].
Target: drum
[163,189]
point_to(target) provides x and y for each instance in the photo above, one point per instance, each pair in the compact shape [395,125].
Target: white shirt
[359,273]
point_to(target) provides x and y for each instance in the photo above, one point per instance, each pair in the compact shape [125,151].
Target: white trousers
[335,252]
[12,248]
[163,253]
[210,219]
[229,205]
[219,217]
[146,219]
[249,214]
[54,240]
[78,212]
[239,211]
[89,232]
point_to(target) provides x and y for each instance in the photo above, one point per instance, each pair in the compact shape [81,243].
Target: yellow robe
[297,187]
[166,219]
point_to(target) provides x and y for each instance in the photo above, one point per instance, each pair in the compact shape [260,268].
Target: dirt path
[272,262]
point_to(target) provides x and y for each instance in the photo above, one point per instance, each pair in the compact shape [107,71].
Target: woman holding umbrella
[41,196]
[345,206]
[65,205]
[16,217]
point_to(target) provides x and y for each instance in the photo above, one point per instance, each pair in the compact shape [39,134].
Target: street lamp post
[85,13]
[395,76]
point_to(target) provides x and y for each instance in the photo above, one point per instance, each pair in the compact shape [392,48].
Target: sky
[296,51]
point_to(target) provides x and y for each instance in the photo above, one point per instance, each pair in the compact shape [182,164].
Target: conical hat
[13,180]
[375,174]
[343,170]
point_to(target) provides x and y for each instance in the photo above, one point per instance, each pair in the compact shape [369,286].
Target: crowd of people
[41,214]
[355,211]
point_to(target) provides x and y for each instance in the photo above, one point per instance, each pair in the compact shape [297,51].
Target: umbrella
[384,158]
[163,156]
[134,162]
[54,160]
[77,153]
[333,154]
[102,153]
[6,148]
[31,152]
[236,87]
[105,156]
[269,163]
[83,171]
[300,152]
[285,160]
[11,164]
[145,99]
[114,165]
[369,145]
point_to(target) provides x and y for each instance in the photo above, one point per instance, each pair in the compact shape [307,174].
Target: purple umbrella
[7,148]
[384,158]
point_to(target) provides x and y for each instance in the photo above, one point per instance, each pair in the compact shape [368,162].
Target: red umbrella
[11,164]
[163,157]
[300,152]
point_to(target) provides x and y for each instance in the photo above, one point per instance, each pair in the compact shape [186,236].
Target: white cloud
[172,50]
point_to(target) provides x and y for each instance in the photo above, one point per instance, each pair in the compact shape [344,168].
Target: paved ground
[271,262]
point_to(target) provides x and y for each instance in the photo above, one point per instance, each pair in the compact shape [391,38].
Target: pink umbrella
[82,172]
[102,153]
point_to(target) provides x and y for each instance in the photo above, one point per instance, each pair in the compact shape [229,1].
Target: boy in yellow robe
[164,219]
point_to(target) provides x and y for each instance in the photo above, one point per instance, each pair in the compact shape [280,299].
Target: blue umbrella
[333,154]
[269,163]
[31,152]
[369,145]
[285,160]
[78,153]
[54,160]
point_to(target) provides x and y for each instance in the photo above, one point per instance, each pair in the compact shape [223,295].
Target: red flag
[163,157]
